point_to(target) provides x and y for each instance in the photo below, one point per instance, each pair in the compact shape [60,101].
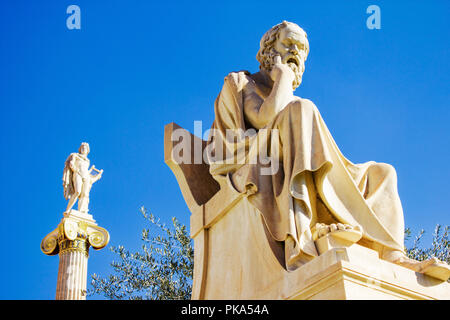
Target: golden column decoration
[72,238]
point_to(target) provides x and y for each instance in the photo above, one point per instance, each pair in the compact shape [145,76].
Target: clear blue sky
[137,65]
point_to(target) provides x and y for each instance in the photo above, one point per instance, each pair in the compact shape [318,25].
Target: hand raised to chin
[281,71]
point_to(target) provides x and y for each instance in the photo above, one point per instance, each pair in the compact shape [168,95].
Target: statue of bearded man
[314,190]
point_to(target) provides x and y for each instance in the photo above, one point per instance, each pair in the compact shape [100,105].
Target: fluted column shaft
[72,273]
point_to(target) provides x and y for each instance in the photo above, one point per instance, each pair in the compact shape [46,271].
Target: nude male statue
[316,190]
[78,180]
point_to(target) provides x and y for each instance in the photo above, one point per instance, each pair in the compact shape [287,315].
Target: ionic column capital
[74,234]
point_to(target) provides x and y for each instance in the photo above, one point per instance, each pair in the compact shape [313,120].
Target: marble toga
[314,181]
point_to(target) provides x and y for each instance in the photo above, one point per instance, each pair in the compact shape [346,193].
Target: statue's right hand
[281,70]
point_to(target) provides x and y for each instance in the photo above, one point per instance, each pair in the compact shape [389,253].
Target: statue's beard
[298,72]
[297,69]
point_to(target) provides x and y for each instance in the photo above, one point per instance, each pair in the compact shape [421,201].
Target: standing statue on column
[78,180]
[77,231]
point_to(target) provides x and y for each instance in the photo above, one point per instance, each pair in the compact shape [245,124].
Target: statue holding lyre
[78,180]
[77,232]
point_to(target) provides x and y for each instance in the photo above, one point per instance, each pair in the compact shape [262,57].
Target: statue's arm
[72,164]
[278,99]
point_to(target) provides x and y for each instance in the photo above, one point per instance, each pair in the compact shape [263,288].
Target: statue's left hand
[97,176]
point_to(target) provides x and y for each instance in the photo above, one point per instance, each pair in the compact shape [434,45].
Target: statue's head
[84,148]
[290,42]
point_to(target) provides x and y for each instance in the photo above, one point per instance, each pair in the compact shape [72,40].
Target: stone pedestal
[73,237]
[236,258]
[357,273]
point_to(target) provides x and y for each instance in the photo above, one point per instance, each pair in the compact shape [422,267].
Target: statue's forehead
[294,33]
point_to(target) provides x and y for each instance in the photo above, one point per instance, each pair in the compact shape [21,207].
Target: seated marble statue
[311,188]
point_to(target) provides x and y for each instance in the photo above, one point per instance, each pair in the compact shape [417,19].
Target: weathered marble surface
[249,265]
[272,166]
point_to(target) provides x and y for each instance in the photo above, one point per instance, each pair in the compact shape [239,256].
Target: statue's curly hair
[84,144]
[267,52]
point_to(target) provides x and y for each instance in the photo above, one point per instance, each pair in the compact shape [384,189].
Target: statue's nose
[294,49]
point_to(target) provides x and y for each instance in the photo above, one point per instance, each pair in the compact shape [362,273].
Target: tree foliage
[164,267]
[440,246]
[162,270]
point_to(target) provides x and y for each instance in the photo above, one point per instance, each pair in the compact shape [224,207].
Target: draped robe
[313,182]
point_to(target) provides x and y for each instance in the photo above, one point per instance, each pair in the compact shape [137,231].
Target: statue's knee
[386,170]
